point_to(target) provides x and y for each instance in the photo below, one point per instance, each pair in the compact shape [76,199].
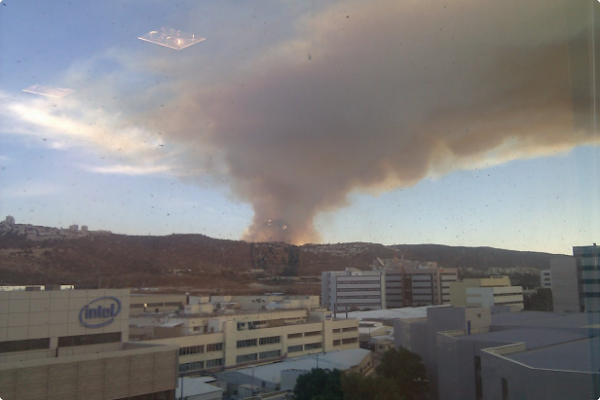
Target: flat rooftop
[341,360]
[572,356]
[533,338]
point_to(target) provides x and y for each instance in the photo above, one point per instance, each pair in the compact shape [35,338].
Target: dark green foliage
[404,370]
[319,384]
[400,376]
[540,301]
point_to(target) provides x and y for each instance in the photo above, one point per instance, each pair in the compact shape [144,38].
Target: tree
[319,384]
[358,387]
[405,370]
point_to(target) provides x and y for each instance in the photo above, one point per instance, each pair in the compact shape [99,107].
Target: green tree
[358,387]
[404,369]
[319,384]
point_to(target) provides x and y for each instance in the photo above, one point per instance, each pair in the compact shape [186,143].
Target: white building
[73,344]
[403,284]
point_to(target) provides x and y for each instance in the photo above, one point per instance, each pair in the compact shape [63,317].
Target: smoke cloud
[380,95]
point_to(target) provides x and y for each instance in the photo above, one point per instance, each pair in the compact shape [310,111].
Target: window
[246,358]
[295,335]
[336,331]
[478,380]
[24,345]
[214,363]
[350,329]
[336,342]
[246,343]
[88,340]
[314,333]
[173,304]
[312,346]
[270,340]
[184,351]
[504,389]
[349,340]
[294,349]
[269,354]
[214,347]
[193,366]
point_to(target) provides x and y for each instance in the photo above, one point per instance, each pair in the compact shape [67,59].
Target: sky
[463,124]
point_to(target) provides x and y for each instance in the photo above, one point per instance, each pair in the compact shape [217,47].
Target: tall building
[486,292]
[403,284]
[576,281]
[74,344]
[587,259]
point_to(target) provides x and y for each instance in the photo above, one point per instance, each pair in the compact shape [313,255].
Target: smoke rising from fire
[380,95]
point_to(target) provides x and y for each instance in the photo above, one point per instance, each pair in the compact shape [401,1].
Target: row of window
[359,297]
[246,343]
[262,356]
[214,347]
[311,346]
[193,366]
[350,329]
[87,340]
[314,333]
[24,345]
[184,351]
[215,363]
[270,340]
[170,304]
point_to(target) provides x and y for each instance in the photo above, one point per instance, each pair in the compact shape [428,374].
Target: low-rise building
[486,292]
[474,354]
[214,339]
[74,344]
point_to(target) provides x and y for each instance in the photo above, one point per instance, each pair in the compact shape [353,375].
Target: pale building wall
[565,286]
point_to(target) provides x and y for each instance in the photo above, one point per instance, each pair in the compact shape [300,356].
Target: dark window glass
[24,345]
[87,340]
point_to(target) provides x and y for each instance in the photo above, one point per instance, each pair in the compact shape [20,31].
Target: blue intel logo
[92,316]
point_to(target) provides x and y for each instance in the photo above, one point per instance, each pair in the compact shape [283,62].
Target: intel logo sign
[97,316]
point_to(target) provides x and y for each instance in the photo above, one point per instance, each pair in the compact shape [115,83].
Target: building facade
[576,281]
[546,279]
[486,292]
[390,287]
[473,354]
[73,344]
[212,341]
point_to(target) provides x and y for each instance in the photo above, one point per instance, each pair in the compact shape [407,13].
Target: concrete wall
[102,376]
[565,288]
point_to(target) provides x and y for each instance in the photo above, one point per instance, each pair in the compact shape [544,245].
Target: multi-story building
[486,292]
[546,279]
[576,281]
[214,338]
[588,271]
[353,290]
[73,344]
[400,284]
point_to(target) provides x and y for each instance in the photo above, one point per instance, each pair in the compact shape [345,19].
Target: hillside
[203,262]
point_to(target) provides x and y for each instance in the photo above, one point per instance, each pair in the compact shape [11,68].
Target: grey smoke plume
[380,95]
